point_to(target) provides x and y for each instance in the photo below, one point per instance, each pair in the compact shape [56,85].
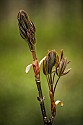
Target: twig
[38,83]
[56,83]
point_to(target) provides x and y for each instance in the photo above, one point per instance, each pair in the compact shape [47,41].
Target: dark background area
[59,25]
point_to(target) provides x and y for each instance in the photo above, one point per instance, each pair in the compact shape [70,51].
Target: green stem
[56,83]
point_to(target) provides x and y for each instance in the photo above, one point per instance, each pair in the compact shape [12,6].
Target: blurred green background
[58,26]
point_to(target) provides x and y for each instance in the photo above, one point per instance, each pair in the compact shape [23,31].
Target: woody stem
[34,55]
[40,98]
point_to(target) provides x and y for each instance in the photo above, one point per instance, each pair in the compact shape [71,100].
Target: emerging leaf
[60,69]
[66,72]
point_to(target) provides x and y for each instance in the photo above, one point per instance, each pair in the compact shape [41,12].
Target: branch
[40,98]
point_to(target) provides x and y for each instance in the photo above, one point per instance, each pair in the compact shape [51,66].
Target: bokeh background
[58,26]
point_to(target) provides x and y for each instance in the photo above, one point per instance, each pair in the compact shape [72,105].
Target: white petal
[59,102]
[42,61]
[28,68]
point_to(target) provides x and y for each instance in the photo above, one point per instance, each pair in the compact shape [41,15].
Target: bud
[49,62]
[27,29]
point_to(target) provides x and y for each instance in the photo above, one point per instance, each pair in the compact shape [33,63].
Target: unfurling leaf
[66,72]
[60,69]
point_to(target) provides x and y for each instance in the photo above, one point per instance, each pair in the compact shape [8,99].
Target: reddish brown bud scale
[36,67]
